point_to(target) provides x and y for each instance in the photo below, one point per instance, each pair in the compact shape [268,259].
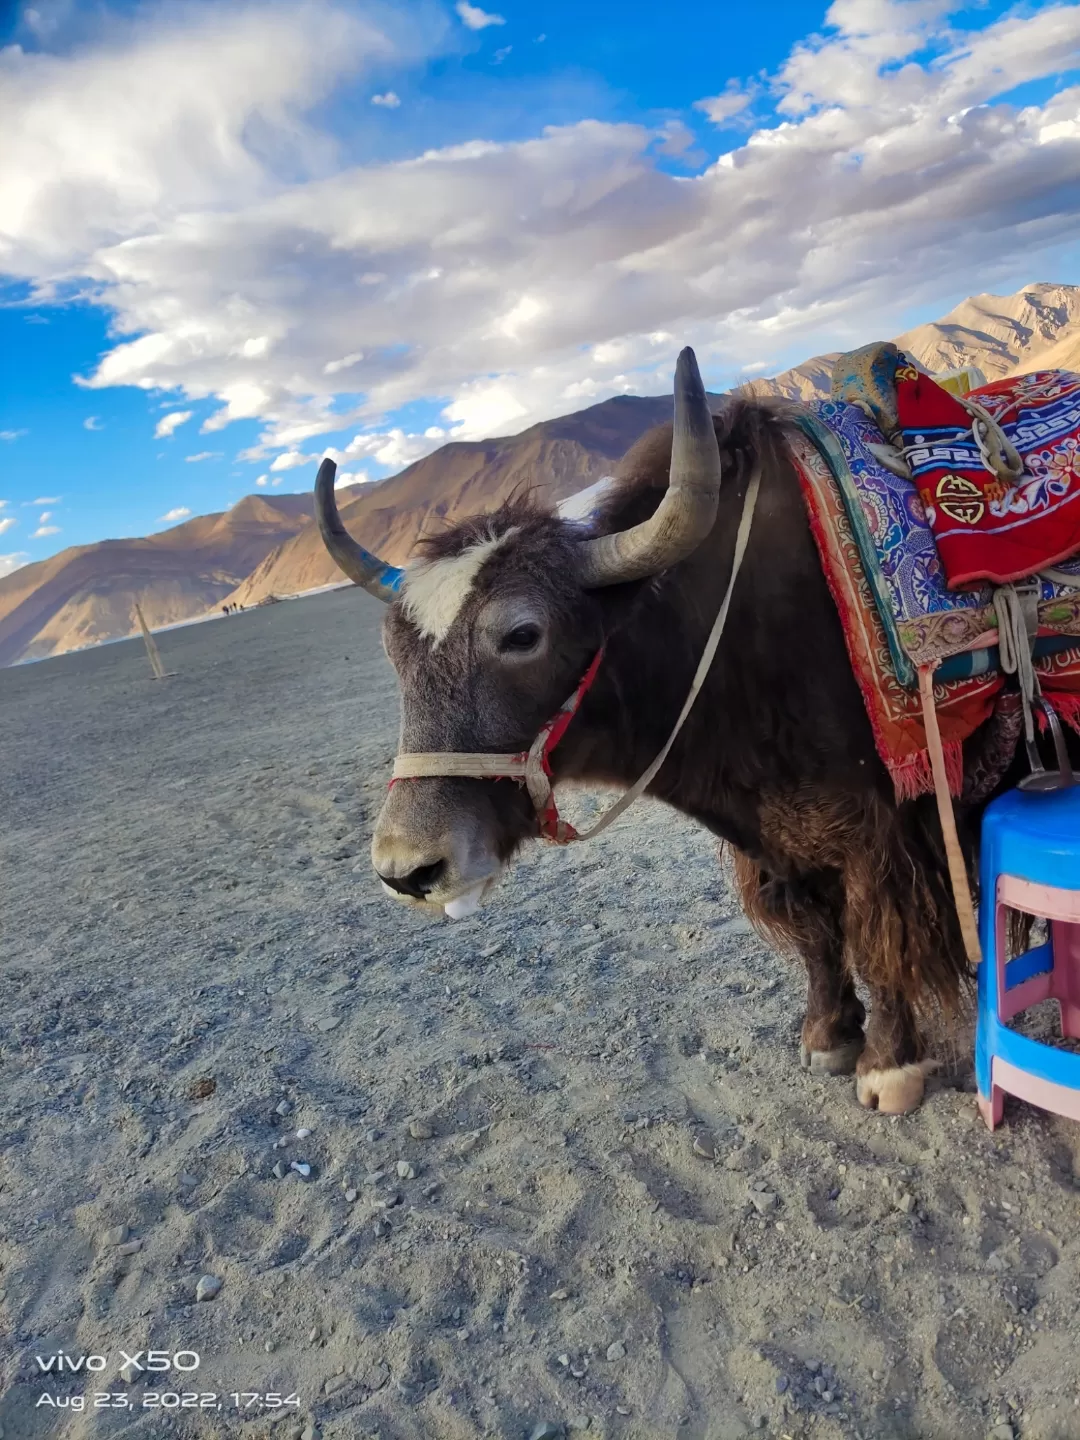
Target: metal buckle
[1041,781]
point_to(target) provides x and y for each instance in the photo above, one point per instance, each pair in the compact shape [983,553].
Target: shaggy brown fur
[777,757]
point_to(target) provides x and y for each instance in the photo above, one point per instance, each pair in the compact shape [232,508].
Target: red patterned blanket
[987,529]
[895,712]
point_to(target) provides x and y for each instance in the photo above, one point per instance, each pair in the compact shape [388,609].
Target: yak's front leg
[804,913]
[891,1073]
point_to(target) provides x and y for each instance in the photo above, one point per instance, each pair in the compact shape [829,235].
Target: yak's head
[490,631]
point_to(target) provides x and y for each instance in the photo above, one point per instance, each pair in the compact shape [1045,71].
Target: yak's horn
[363,568]
[686,513]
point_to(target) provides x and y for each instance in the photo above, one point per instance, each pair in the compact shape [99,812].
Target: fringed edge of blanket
[1067,706]
[914,776]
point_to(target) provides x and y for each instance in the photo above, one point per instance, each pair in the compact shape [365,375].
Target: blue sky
[234,236]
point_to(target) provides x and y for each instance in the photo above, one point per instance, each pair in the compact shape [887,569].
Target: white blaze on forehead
[434,591]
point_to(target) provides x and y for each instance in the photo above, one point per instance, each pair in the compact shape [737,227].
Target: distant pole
[159,670]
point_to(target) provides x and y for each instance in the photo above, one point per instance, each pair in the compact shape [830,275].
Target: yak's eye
[521,638]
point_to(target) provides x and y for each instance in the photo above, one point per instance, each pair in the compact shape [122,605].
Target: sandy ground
[623,1207]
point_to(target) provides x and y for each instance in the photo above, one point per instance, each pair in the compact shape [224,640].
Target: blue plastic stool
[1030,862]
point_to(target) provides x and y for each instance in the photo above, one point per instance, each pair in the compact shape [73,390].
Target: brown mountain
[86,594]
[1038,327]
[554,459]
[263,546]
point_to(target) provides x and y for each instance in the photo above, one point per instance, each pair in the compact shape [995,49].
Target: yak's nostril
[418,883]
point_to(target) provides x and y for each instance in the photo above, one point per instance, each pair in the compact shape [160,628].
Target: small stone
[1002,1432]
[335,1383]
[283,1107]
[302,1168]
[421,1130]
[764,1200]
[559,1295]
[314,1336]
[382,1228]
[350,1196]
[303,1133]
[704,1148]
[405,1170]
[130,1247]
[187,1182]
[905,1202]
[270,1346]
[328,1023]
[374,1177]
[782,1383]
[130,1372]
[579,1422]
[208,1287]
[376,1376]
[547,1430]
[310,1432]
[372,1135]
[279,1172]
[116,1236]
[616,1351]
[564,1361]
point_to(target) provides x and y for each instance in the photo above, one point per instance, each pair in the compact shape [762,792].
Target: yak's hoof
[840,1061]
[894,1091]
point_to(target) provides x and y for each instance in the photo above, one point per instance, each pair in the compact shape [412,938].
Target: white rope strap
[742,538]
[999,454]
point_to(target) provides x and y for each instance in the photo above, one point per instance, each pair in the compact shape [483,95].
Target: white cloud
[181,512]
[474,18]
[500,55]
[93,422]
[511,281]
[389,100]
[12,434]
[44,530]
[721,108]
[193,106]
[291,459]
[43,500]
[169,424]
[10,563]
[44,516]
[392,448]
[7,523]
[334,367]
[262,480]
[203,455]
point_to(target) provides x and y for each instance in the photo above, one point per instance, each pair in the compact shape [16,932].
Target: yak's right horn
[363,568]
[688,510]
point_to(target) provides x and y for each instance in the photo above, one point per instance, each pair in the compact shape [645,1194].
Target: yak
[494,625]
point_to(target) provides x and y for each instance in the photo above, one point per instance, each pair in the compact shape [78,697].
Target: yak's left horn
[688,510]
[363,568]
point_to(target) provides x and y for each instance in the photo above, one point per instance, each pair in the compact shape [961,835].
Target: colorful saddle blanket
[885,573]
